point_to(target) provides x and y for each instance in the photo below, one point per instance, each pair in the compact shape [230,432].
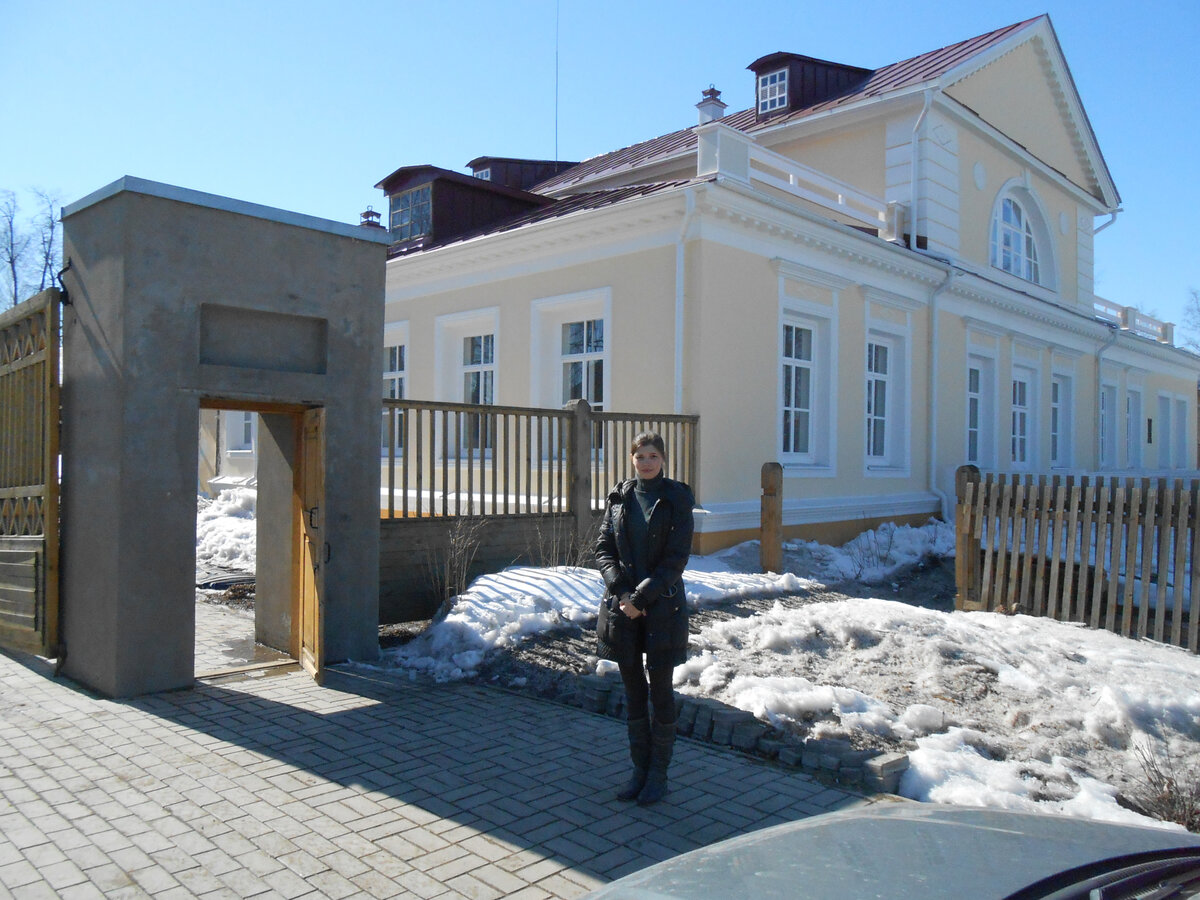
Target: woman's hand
[627,607]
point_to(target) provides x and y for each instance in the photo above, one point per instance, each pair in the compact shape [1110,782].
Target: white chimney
[711,106]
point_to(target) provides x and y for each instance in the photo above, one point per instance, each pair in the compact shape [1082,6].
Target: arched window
[1020,240]
[1013,247]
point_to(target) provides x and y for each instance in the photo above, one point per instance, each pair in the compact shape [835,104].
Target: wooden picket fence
[1113,553]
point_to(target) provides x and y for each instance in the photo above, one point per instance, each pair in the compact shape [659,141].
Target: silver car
[921,851]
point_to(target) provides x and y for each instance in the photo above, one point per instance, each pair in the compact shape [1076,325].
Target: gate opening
[256,613]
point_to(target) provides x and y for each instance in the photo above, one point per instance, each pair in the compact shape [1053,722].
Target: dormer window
[484,174]
[411,215]
[772,91]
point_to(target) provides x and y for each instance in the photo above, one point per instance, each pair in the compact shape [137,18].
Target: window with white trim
[1060,422]
[886,407]
[807,401]
[1022,437]
[1013,247]
[570,343]
[878,383]
[583,362]
[241,429]
[772,91]
[797,412]
[1020,241]
[1133,429]
[393,372]
[393,389]
[484,174]
[980,412]
[1180,435]
[1108,426]
[478,381]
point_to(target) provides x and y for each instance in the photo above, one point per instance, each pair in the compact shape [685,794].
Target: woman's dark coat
[662,634]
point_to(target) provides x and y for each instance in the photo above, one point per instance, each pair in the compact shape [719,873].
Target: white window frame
[1108,426]
[1133,428]
[797,368]
[772,93]
[241,432]
[449,333]
[985,400]
[593,354]
[896,416]
[820,321]
[484,174]
[1062,421]
[1023,431]
[1164,428]
[1033,231]
[548,315]
[395,360]
[1179,435]
[395,337]
[483,393]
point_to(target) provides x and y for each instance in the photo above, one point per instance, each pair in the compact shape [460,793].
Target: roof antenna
[557,6]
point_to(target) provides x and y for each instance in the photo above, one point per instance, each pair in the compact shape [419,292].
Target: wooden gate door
[29,444]
[312,552]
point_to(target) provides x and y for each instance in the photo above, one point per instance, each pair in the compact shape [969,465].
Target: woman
[644,544]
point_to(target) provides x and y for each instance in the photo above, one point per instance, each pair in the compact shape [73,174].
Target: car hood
[895,851]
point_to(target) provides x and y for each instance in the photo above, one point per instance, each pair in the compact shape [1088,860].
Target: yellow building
[871,277]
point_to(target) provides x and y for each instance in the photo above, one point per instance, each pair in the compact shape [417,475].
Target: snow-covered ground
[1006,711]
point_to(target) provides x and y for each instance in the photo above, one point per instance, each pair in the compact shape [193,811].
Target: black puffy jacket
[662,633]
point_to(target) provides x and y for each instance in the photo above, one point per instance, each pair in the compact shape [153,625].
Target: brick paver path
[369,786]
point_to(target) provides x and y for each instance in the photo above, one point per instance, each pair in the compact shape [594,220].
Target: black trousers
[659,690]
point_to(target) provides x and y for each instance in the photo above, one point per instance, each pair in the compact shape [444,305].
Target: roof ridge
[884,79]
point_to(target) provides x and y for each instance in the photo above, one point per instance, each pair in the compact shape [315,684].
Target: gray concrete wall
[414,551]
[273,576]
[178,297]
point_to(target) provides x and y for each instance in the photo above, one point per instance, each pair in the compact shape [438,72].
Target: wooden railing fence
[459,459]
[1113,553]
[471,489]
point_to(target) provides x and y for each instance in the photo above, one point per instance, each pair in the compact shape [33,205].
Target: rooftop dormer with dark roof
[789,81]
[428,205]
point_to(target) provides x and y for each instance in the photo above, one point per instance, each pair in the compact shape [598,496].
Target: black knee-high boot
[662,745]
[639,752]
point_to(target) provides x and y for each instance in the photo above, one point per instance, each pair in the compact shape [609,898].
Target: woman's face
[647,461]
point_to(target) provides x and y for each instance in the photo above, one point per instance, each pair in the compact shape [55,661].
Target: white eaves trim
[644,223]
[1041,33]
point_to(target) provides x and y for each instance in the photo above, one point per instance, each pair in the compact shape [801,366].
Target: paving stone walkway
[369,786]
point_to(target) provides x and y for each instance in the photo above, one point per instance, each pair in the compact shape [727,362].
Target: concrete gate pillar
[179,299]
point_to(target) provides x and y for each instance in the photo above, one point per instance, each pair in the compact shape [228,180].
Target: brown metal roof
[587,200]
[897,76]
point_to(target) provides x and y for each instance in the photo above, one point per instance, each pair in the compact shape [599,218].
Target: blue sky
[306,106]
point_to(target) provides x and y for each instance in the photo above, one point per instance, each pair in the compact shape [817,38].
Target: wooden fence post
[771,532]
[966,552]
[579,469]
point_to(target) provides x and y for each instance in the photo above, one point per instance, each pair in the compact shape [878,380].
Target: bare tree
[14,241]
[48,247]
[30,248]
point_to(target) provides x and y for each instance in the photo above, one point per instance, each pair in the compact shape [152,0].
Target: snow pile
[1006,711]
[1009,711]
[225,531]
